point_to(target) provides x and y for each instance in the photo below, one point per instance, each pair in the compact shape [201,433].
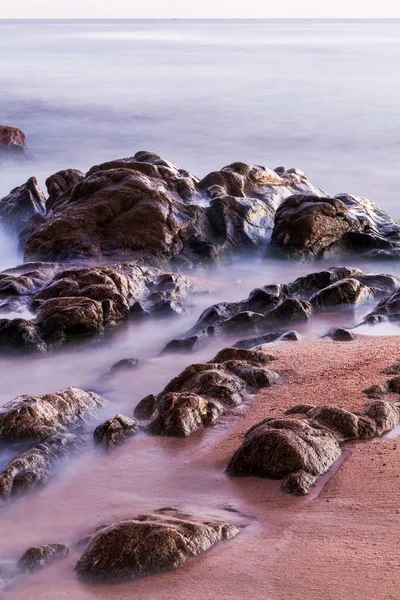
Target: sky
[57,9]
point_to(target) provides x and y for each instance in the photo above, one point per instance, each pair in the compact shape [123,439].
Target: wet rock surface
[149,544]
[273,306]
[40,557]
[149,208]
[115,431]
[315,227]
[37,417]
[387,309]
[12,140]
[304,443]
[202,393]
[34,467]
[21,204]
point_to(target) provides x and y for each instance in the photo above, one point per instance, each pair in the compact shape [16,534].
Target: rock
[85,302]
[59,186]
[268,338]
[37,417]
[298,483]
[347,292]
[305,287]
[394,385]
[338,334]
[181,414]
[281,446]
[394,369]
[166,296]
[290,311]
[38,558]
[134,208]
[290,336]
[21,204]
[189,344]
[146,407]
[12,140]
[201,393]
[314,227]
[20,334]
[115,431]
[385,415]
[33,468]
[346,425]
[387,309]
[149,544]
[376,391]
[126,364]
[26,283]
[306,441]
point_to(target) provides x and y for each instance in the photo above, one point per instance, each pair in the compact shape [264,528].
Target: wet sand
[339,542]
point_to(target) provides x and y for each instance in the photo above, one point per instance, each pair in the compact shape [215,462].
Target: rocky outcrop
[149,209]
[38,558]
[135,208]
[149,544]
[115,431]
[12,140]
[21,204]
[303,444]
[37,417]
[166,295]
[202,393]
[315,227]
[33,468]
[272,306]
[26,280]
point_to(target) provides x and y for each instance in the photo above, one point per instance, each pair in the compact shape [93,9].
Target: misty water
[320,96]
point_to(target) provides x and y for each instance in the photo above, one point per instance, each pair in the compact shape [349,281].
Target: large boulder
[12,140]
[305,442]
[149,544]
[315,227]
[34,467]
[134,208]
[21,204]
[37,417]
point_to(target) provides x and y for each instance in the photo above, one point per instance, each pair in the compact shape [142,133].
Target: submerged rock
[38,558]
[21,204]
[37,417]
[149,544]
[33,468]
[115,431]
[126,364]
[298,449]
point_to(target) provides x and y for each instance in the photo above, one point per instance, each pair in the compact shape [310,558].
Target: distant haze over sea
[318,95]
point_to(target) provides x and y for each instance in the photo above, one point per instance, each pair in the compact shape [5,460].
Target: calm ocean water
[318,95]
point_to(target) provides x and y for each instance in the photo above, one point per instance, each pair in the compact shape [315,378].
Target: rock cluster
[202,393]
[279,305]
[149,544]
[304,443]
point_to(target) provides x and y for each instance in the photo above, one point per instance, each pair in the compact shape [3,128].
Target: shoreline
[299,543]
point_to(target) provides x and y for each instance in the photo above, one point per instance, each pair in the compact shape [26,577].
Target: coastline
[345,534]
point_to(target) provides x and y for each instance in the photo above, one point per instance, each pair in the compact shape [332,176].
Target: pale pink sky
[28,9]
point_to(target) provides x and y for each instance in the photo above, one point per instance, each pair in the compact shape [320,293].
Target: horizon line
[201,19]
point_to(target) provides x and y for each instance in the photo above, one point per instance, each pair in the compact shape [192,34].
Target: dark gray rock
[22,203]
[40,557]
[338,334]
